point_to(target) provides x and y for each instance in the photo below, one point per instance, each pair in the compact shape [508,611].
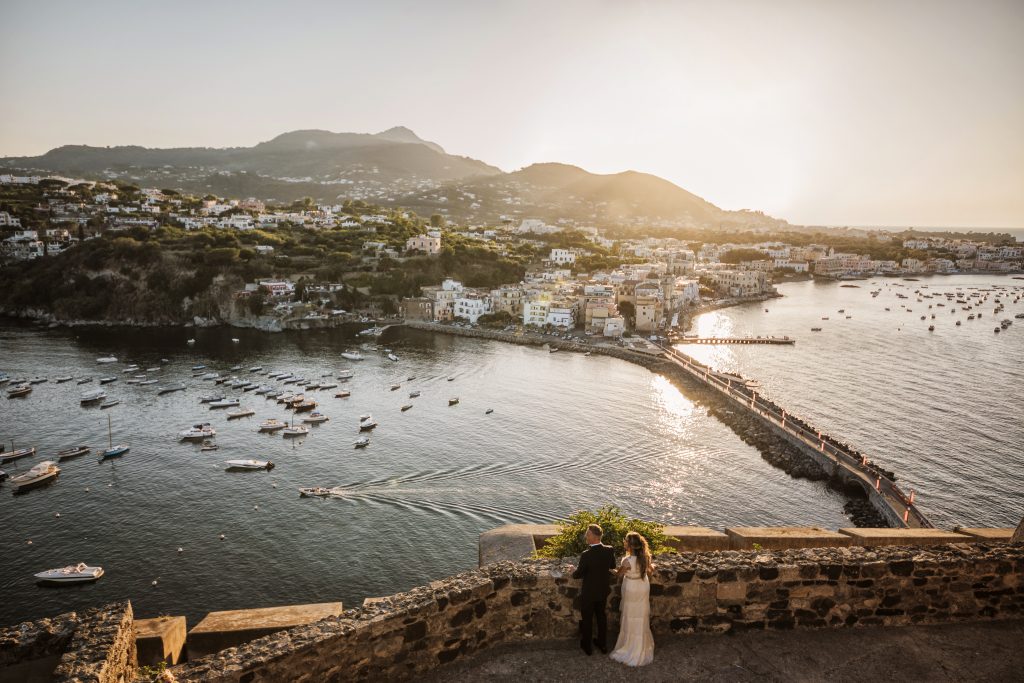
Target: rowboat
[73,452]
[17,454]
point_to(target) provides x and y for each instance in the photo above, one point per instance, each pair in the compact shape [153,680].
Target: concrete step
[220,630]
[160,640]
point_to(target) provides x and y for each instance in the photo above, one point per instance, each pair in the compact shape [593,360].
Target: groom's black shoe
[587,649]
[600,646]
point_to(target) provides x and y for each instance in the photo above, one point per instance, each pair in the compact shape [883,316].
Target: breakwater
[835,457]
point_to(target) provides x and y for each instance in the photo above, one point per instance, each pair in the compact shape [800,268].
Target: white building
[535,312]
[426,243]
[562,257]
[471,306]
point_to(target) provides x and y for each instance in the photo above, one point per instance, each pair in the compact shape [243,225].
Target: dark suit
[594,568]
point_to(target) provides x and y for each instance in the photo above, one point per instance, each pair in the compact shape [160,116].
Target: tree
[569,540]
[740,255]
[436,220]
[628,311]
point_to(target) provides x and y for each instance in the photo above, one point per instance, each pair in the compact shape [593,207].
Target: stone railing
[403,636]
[97,645]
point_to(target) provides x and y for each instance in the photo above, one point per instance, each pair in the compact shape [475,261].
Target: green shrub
[569,541]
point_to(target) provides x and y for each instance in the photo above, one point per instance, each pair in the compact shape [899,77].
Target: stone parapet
[160,640]
[221,630]
[988,534]
[917,537]
[402,636]
[784,537]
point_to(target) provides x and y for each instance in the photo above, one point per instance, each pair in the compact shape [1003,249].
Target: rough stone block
[784,537]
[512,542]
[160,640]
[919,537]
[220,630]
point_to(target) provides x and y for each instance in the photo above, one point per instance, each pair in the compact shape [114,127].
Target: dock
[733,340]
[896,506]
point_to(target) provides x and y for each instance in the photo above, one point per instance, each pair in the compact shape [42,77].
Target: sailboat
[113,451]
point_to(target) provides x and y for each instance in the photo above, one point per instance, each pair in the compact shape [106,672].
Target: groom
[595,567]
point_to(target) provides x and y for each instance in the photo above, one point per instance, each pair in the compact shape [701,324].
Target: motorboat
[190,342]
[247,465]
[17,454]
[170,388]
[61,380]
[108,380]
[263,390]
[453,401]
[488,411]
[815,329]
[295,430]
[393,357]
[396,387]
[235,368]
[329,385]
[155,368]
[295,400]
[272,425]
[208,446]
[93,396]
[196,368]
[210,375]
[414,394]
[130,368]
[451,379]
[364,418]
[343,394]
[367,425]
[352,355]
[210,399]
[73,452]
[19,390]
[110,404]
[221,380]
[292,379]
[304,406]
[198,432]
[75,573]
[250,386]
[316,417]
[107,359]
[38,380]
[406,407]
[285,397]
[223,403]
[410,378]
[313,387]
[362,442]
[40,475]
[372,332]
[235,340]
[256,368]
[345,374]
[148,382]
[84,380]
[315,492]
[241,412]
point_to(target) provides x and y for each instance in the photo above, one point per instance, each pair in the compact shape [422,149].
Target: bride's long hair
[636,545]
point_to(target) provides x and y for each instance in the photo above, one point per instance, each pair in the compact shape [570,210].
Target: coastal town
[571,277]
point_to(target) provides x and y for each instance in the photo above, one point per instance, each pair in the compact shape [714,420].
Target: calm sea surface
[567,431]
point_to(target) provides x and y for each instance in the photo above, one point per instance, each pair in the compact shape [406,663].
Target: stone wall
[402,636]
[97,645]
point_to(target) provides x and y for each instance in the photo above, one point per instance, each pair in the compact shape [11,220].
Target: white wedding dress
[635,646]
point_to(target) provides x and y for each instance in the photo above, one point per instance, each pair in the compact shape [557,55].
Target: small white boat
[243,465]
[148,382]
[40,475]
[75,573]
[11,456]
[364,418]
[345,374]
[198,432]
[61,380]
[316,417]
[451,379]
[393,357]
[396,387]
[196,368]
[208,446]
[84,380]
[414,394]
[272,425]
[130,368]
[190,342]
[110,404]
[107,359]
[352,355]
[285,397]
[108,380]
[170,388]
[367,425]
[315,492]
[93,396]
[241,412]
[343,394]
[73,452]
[406,407]
[235,340]
[329,385]
[224,403]
[210,399]
[295,430]
[210,375]
[362,442]
[453,401]
[256,368]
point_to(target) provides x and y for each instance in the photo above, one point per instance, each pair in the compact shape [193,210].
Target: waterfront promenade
[733,340]
[898,507]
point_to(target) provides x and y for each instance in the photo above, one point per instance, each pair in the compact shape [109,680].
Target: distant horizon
[786,108]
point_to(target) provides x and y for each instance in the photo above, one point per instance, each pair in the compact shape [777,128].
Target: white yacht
[295,430]
[75,573]
[198,432]
[93,396]
[316,417]
[393,357]
[272,425]
[239,465]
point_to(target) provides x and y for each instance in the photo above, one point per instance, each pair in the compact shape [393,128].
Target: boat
[256,368]
[170,388]
[241,412]
[958,323]
[451,379]
[148,382]
[155,368]
[343,394]
[410,378]
[393,357]
[84,380]
[931,328]
[1019,316]
[815,329]
[4,378]
[304,406]
[246,465]
[361,442]
[250,386]
[210,375]
[210,399]
[414,394]
[40,475]
[107,359]
[61,380]
[345,374]
[315,492]
[198,432]
[272,425]
[364,418]
[295,430]
[396,387]
[196,368]
[110,404]
[223,403]
[108,380]
[75,573]
[190,342]
[235,340]
[93,396]
[488,411]
[367,425]
[453,401]
[372,332]
[553,350]
[130,368]
[235,367]
[352,355]
[208,446]
[73,452]
[19,390]
[316,417]
[285,397]
[16,454]
[312,387]
[329,385]
[406,407]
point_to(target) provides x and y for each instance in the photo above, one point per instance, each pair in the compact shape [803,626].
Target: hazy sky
[891,112]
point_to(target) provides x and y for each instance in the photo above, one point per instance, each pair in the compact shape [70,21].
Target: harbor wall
[408,634]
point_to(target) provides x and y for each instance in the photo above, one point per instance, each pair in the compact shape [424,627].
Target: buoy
[154,582]
[255,507]
[181,550]
[87,489]
[28,542]
[275,486]
[222,537]
[57,515]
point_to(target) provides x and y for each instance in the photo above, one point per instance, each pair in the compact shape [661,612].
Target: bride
[635,646]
